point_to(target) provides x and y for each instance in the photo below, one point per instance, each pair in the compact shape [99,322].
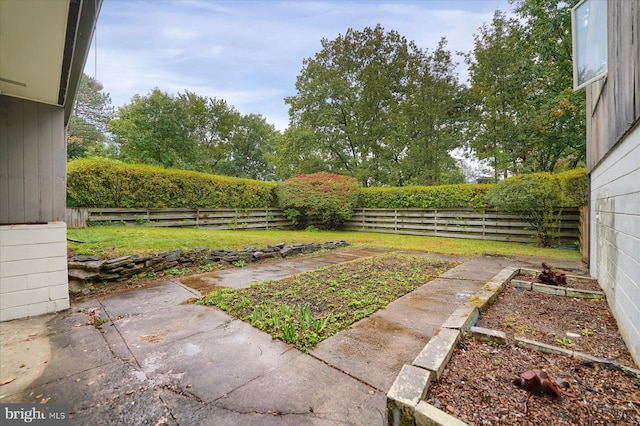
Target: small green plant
[311,228]
[151,273]
[139,219]
[240,264]
[289,333]
[565,342]
[172,272]
[497,361]
[586,332]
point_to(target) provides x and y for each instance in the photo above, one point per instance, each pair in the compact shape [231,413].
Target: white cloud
[250,52]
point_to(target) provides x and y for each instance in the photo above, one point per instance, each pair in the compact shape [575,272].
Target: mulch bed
[478,387]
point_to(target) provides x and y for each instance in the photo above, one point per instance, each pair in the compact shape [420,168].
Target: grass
[307,308]
[112,241]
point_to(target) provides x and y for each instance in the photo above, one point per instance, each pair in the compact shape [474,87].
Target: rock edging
[84,270]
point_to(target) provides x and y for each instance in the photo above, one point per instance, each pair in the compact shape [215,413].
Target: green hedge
[575,187]
[424,197]
[100,182]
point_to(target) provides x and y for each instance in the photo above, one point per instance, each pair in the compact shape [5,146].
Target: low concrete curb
[404,400]
[551,289]
[550,349]
[555,290]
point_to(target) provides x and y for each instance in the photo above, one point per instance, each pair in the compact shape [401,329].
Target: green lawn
[111,241]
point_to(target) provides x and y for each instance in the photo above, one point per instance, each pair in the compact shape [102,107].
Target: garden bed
[307,308]
[477,385]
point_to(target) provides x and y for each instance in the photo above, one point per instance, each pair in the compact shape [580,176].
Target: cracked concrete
[156,361]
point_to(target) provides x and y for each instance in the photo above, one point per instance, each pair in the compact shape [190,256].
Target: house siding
[615,235]
[33,240]
[613,162]
[33,270]
[32,162]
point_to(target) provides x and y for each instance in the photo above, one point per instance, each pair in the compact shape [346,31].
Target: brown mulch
[477,385]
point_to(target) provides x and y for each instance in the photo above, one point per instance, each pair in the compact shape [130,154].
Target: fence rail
[200,218]
[455,223]
[459,223]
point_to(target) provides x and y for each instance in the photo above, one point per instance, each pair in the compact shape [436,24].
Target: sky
[249,52]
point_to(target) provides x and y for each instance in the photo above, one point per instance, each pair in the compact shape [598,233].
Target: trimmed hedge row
[425,197]
[575,187]
[106,183]
[100,182]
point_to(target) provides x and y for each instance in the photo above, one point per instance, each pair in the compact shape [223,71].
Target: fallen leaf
[161,421]
[100,376]
[450,408]
[129,392]
[44,401]
[39,396]
[7,381]
[91,382]
[23,365]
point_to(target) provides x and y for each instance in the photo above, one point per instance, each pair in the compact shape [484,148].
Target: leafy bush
[575,186]
[424,197]
[99,182]
[327,197]
[537,198]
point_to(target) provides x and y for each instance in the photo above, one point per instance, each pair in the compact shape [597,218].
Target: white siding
[33,270]
[615,234]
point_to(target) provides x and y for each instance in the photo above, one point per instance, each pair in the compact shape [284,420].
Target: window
[589,31]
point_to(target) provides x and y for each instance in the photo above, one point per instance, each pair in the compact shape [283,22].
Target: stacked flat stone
[84,270]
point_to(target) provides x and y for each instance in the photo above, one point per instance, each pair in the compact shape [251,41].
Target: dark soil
[477,385]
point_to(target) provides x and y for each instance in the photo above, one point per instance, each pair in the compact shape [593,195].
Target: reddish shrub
[327,197]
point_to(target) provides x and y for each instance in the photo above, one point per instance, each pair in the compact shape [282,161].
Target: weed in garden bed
[307,308]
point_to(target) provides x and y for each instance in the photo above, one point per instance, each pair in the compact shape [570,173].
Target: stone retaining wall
[84,270]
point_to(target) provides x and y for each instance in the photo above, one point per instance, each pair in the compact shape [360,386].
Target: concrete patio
[156,360]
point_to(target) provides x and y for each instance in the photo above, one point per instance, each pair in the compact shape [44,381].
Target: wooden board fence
[459,223]
[455,223]
[180,217]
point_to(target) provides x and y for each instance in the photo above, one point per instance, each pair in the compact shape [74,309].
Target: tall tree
[153,129]
[431,118]
[250,145]
[87,125]
[211,126]
[351,102]
[557,123]
[496,98]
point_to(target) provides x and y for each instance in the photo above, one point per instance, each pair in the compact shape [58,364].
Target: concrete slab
[374,349]
[213,364]
[254,273]
[308,391]
[155,298]
[26,350]
[145,333]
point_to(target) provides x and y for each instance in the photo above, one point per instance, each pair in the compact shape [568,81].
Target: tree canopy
[375,106]
[91,113]
[193,132]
